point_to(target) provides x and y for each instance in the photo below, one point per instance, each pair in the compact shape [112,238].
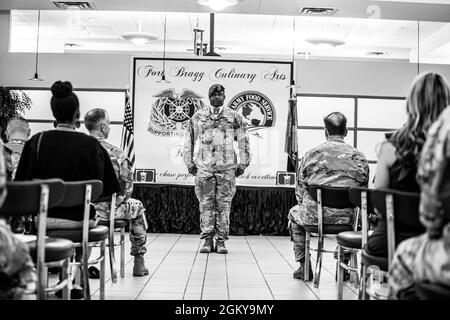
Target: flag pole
[291,146]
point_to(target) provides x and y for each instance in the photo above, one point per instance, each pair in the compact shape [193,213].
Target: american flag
[127,143]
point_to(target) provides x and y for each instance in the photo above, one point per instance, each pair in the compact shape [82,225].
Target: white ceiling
[424,10]
[260,34]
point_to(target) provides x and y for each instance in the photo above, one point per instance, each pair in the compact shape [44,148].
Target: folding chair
[82,193]
[115,225]
[354,240]
[38,196]
[401,211]
[332,197]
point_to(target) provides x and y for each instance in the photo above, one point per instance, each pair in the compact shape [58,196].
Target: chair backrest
[406,207]
[35,196]
[332,197]
[360,197]
[74,194]
[432,291]
[400,209]
[24,197]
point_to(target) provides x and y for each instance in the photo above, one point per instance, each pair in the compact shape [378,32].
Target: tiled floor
[257,267]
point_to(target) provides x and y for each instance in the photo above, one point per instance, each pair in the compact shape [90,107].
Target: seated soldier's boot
[220,247]
[300,273]
[139,268]
[208,246]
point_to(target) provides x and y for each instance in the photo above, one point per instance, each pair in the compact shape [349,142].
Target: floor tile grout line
[226,275]
[156,269]
[291,266]
[192,268]
[259,267]
[106,267]
[204,276]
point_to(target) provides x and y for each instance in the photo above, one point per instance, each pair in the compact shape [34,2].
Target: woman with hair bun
[69,155]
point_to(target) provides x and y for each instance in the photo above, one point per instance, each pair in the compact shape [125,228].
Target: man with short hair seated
[333,163]
[98,123]
[426,258]
[18,132]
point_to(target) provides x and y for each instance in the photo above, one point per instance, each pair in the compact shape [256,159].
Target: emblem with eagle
[171,111]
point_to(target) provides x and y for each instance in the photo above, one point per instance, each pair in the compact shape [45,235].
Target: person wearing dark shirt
[399,153]
[69,155]
[66,154]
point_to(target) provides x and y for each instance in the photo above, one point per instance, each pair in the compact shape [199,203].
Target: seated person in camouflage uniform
[18,132]
[97,122]
[333,163]
[427,257]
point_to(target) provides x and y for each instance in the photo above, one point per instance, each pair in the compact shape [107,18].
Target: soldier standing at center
[215,128]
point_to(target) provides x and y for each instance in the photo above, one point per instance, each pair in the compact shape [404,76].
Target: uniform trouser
[215,191]
[133,210]
[298,238]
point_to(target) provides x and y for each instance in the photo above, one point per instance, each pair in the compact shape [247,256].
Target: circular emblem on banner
[171,112]
[255,108]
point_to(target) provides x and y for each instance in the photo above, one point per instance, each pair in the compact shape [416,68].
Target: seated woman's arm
[386,158]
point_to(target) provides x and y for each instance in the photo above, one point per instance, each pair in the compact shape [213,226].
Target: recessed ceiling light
[325,42]
[218,4]
[139,38]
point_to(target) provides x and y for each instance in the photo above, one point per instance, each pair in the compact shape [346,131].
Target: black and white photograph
[223,158]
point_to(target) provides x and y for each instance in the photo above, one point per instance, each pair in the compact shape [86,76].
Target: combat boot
[139,268]
[300,272]
[220,247]
[208,246]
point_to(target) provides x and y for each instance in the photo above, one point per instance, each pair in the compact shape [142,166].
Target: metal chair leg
[102,270]
[318,262]
[340,274]
[112,258]
[354,277]
[306,265]
[122,252]
[65,275]
[362,283]
[46,279]
[85,276]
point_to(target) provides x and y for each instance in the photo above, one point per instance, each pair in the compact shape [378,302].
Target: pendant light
[36,76]
[139,38]
[163,77]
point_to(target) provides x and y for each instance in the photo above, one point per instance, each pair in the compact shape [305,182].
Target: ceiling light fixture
[139,37]
[325,43]
[36,76]
[218,5]
[163,76]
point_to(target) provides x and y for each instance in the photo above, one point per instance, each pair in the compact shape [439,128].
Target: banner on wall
[257,90]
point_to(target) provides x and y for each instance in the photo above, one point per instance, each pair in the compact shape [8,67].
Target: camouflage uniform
[216,162]
[427,256]
[333,163]
[126,207]
[13,151]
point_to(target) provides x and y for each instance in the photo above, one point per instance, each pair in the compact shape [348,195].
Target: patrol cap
[216,88]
